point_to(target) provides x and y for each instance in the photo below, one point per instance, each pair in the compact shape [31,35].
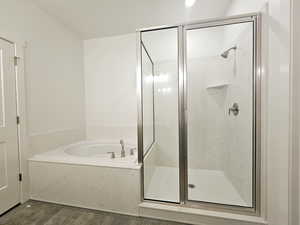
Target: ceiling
[99,18]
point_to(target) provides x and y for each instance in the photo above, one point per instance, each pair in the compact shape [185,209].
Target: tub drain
[192,185]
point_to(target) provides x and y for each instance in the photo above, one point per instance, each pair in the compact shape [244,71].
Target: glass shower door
[199,114]
[159,72]
[220,118]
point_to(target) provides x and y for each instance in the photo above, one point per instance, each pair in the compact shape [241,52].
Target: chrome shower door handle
[234,109]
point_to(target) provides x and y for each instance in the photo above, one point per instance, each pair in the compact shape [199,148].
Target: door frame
[257,73]
[20,111]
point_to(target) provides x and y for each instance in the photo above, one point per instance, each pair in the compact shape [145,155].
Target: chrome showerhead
[226,53]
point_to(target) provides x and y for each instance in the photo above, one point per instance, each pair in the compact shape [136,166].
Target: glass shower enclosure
[199,113]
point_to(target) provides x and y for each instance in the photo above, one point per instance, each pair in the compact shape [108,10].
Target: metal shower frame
[253,18]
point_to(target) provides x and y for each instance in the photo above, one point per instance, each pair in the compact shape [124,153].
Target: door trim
[19,107]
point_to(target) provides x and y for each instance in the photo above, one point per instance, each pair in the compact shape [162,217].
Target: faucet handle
[113,155]
[132,151]
[122,144]
[123,148]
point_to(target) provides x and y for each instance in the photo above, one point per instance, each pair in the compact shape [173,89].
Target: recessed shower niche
[199,110]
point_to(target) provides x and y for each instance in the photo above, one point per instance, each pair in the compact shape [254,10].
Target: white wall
[53,78]
[110,83]
[54,68]
[295,156]
[275,105]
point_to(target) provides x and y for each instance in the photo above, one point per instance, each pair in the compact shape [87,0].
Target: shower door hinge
[20,177]
[16,60]
[18,120]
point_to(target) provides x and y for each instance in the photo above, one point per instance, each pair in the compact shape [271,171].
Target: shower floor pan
[206,186]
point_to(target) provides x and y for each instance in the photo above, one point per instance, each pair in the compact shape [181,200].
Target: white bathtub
[83,175]
[91,153]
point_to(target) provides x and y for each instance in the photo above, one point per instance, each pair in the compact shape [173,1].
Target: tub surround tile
[45,141]
[102,188]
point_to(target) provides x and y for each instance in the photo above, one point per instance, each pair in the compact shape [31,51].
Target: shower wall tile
[46,141]
[207,115]
[166,114]
[217,140]
[239,145]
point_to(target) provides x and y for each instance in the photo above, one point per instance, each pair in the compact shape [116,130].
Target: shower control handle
[234,109]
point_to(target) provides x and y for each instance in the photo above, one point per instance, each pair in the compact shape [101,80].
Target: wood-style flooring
[41,213]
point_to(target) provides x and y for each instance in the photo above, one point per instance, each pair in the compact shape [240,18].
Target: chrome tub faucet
[123,148]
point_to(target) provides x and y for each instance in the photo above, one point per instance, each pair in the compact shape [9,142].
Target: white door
[9,157]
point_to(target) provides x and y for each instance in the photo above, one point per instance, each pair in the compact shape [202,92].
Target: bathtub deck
[41,213]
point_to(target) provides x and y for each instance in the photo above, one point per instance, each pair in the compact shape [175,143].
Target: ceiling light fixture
[189,3]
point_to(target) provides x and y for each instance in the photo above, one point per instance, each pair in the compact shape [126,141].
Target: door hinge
[18,120]
[20,177]
[16,60]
